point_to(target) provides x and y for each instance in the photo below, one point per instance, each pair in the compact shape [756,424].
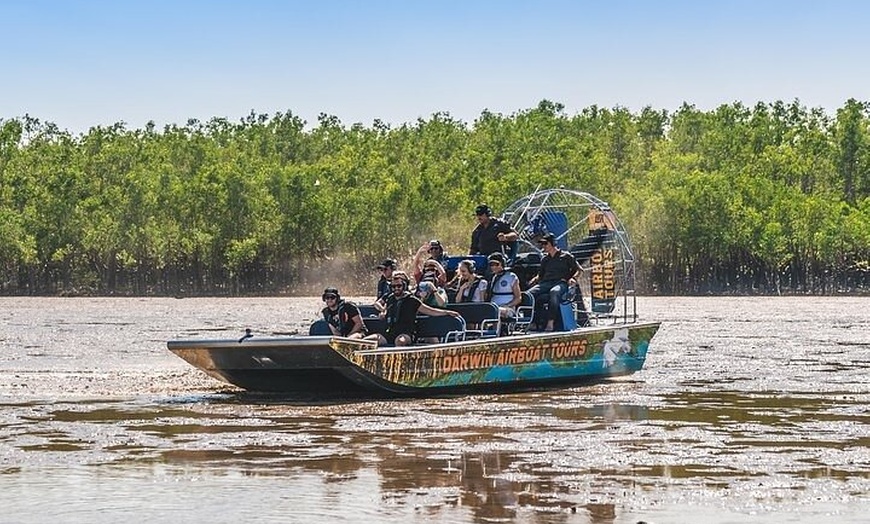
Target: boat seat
[482,319]
[445,329]
[319,328]
[367,310]
[375,325]
[525,314]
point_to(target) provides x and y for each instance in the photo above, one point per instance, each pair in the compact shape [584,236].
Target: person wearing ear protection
[399,310]
[343,317]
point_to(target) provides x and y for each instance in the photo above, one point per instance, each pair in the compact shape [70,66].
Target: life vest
[493,286]
[468,295]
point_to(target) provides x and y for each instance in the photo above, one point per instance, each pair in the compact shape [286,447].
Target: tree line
[773,198]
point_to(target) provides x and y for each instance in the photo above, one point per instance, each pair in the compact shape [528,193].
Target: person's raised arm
[440,296]
[420,255]
[574,269]
[507,233]
[358,325]
[380,305]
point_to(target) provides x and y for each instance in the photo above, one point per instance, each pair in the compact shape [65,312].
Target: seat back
[452,262]
[319,328]
[367,310]
[375,325]
[445,329]
[481,318]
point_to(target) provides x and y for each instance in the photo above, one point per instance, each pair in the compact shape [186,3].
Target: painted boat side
[334,366]
[565,356]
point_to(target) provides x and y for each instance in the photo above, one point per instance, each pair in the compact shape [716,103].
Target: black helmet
[483,209]
[330,292]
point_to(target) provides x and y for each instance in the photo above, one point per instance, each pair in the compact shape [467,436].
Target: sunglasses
[495,263]
[330,297]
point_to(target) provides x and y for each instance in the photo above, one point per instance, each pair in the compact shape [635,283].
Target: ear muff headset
[406,282]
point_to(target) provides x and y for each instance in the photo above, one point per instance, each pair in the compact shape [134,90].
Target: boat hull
[323,367]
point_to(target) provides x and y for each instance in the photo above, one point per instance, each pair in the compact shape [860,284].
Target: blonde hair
[468,264]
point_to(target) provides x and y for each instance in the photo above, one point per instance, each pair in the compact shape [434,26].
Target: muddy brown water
[748,410]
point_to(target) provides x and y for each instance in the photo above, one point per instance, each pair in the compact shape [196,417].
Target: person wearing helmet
[343,317]
[504,288]
[431,258]
[399,309]
[491,234]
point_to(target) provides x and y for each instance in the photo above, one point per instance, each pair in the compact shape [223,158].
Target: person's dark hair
[388,263]
[483,209]
[549,238]
[496,257]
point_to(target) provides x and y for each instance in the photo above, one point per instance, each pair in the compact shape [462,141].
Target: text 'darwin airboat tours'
[588,332]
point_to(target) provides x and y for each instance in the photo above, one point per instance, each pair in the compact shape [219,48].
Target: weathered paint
[584,353]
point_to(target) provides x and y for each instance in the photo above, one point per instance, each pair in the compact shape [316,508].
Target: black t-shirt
[383,286]
[401,314]
[342,318]
[559,267]
[484,240]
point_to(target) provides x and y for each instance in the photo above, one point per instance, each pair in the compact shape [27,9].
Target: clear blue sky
[97,62]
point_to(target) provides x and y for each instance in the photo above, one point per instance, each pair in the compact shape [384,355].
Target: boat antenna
[247,334]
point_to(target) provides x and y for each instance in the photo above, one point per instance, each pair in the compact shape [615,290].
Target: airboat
[601,335]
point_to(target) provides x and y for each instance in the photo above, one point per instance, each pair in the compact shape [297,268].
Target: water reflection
[536,457]
[436,459]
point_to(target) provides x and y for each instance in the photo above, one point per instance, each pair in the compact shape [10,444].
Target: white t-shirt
[478,294]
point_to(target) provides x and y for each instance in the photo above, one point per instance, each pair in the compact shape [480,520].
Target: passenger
[400,310]
[469,286]
[551,283]
[342,317]
[504,288]
[430,250]
[386,268]
[491,234]
[430,294]
[432,271]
